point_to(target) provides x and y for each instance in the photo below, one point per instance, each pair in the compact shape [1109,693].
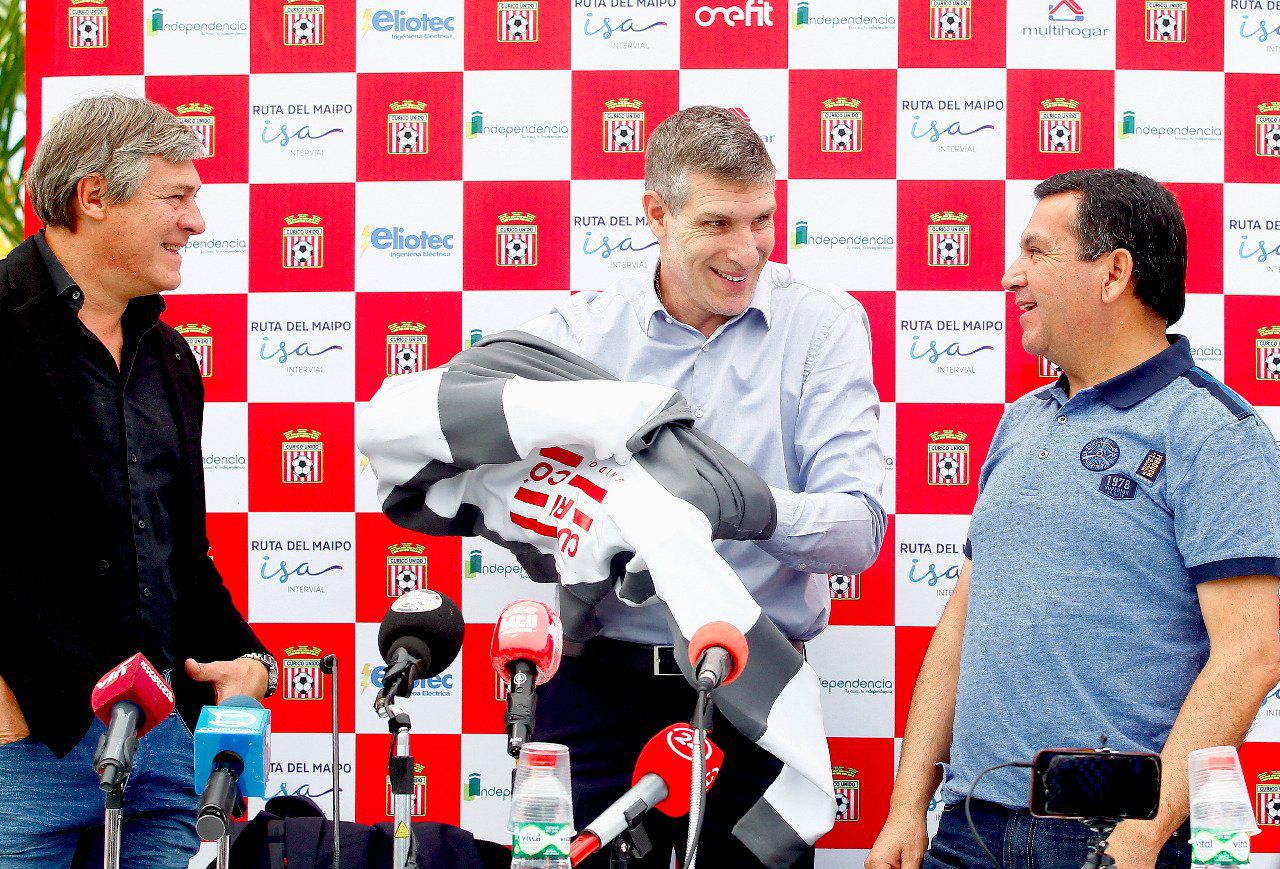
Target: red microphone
[131,699]
[662,781]
[527,643]
[718,652]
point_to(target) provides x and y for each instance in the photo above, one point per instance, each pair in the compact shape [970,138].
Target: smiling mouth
[172,248]
[1027,306]
[728,277]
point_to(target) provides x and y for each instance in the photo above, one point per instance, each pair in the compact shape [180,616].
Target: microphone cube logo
[301,673]
[418,803]
[406,569]
[848,794]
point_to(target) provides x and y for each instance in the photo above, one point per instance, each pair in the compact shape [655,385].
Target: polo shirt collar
[1142,381]
[146,308]
[62,280]
[762,301]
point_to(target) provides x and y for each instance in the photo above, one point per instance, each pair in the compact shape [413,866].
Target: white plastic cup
[1219,798]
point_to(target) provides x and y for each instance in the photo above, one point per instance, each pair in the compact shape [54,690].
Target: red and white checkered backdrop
[391,179]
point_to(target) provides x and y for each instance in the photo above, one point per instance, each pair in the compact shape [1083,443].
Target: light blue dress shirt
[786,387]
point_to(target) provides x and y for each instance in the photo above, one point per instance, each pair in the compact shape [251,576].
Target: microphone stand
[114,812]
[329,664]
[402,672]
[114,757]
[224,850]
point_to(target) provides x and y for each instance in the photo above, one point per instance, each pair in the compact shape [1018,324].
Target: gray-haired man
[106,553]
[777,371]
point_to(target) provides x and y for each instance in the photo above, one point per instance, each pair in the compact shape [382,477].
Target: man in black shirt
[105,552]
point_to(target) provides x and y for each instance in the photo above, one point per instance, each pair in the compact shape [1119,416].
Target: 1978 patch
[1151,466]
[1117,486]
[1100,454]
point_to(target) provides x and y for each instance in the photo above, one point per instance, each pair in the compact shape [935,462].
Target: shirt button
[1062,420]
[668,318]
[146,592]
[706,347]
[142,526]
[699,413]
[103,567]
[133,457]
[75,294]
[1044,454]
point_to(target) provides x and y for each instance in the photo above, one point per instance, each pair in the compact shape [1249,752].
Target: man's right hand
[901,843]
[13,725]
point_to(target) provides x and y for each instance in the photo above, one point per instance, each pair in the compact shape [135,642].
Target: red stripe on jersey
[533,525]
[561,455]
[590,489]
[528,496]
[582,520]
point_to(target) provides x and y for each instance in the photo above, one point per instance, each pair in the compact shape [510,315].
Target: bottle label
[1219,849]
[541,840]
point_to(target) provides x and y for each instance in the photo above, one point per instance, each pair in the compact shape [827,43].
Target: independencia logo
[752,13]
[200,119]
[845,586]
[407,127]
[848,793]
[623,125]
[418,804]
[1166,20]
[517,239]
[156,23]
[802,18]
[1268,123]
[841,126]
[473,789]
[801,237]
[1060,126]
[948,238]
[303,242]
[1268,353]
[474,566]
[1269,799]
[948,458]
[517,21]
[473,336]
[300,672]
[201,344]
[87,24]
[302,457]
[406,351]
[950,20]
[303,22]
[406,568]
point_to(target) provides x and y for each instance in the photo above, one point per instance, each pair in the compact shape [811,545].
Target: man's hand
[229,678]
[13,724]
[901,843]
[1135,845]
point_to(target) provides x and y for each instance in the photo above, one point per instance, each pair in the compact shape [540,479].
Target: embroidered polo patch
[1151,466]
[1100,454]
[1118,486]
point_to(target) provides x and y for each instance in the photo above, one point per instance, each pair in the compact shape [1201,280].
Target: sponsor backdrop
[391,179]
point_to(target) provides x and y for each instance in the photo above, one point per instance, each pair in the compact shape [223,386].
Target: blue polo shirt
[1097,518]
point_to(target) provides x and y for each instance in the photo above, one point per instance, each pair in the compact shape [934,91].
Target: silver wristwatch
[273,672]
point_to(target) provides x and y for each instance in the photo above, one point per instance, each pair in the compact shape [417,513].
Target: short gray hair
[704,139]
[112,136]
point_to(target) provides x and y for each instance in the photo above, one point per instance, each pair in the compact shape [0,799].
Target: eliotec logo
[399,21]
[753,13]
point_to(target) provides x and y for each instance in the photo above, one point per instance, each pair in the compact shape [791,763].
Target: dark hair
[1122,209]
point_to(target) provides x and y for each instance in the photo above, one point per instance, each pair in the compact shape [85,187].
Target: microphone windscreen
[428,617]
[669,754]
[241,726]
[527,630]
[138,682]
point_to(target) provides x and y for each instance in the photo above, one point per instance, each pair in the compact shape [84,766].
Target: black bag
[293,833]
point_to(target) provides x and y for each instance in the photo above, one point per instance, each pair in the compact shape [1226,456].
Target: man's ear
[1118,278]
[90,201]
[656,213]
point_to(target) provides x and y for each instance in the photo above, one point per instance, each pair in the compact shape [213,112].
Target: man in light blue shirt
[1120,575]
[777,371]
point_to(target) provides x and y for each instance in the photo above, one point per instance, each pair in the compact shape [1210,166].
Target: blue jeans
[47,803]
[1020,841]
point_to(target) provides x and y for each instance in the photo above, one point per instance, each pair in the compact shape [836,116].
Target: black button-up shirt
[131,436]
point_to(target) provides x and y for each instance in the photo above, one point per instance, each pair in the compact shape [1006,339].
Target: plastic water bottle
[541,808]
[1221,815]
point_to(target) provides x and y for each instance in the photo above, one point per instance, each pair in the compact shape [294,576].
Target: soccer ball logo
[1060,137]
[841,585]
[844,805]
[950,25]
[1166,27]
[303,31]
[406,359]
[624,138]
[948,469]
[87,30]
[303,467]
[1271,143]
[841,137]
[407,139]
[304,252]
[949,250]
[304,684]
[406,582]
[517,250]
[517,27]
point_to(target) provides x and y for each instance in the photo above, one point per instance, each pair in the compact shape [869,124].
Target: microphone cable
[698,779]
[968,813]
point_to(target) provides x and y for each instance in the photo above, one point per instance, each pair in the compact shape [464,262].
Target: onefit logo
[752,13]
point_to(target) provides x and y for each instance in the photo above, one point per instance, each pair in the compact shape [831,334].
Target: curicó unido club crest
[407,127]
[300,673]
[517,239]
[518,20]
[406,568]
[948,458]
[1060,126]
[841,126]
[950,19]
[623,123]
[201,344]
[1165,20]
[1268,125]
[949,238]
[848,794]
[406,348]
[302,457]
[303,22]
[87,24]
[303,242]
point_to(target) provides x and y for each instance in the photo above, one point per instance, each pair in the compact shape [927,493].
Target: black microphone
[420,637]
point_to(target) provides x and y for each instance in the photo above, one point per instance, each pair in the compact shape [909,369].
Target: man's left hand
[1135,845]
[229,678]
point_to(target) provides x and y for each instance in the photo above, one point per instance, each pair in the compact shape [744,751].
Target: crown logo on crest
[1269,330]
[308,651]
[192,329]
[406,326]
[82,2]
[1269,107]
[302,434]
[949,217]
[195,108]
[1060,103]
[623,103]
[845,772]
[309,219]
[406,105]
[402,548]
[948,434]
[841,103]
[516,217]
[1269,776]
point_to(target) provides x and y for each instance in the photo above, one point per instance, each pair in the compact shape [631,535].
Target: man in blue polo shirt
[1120,572]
